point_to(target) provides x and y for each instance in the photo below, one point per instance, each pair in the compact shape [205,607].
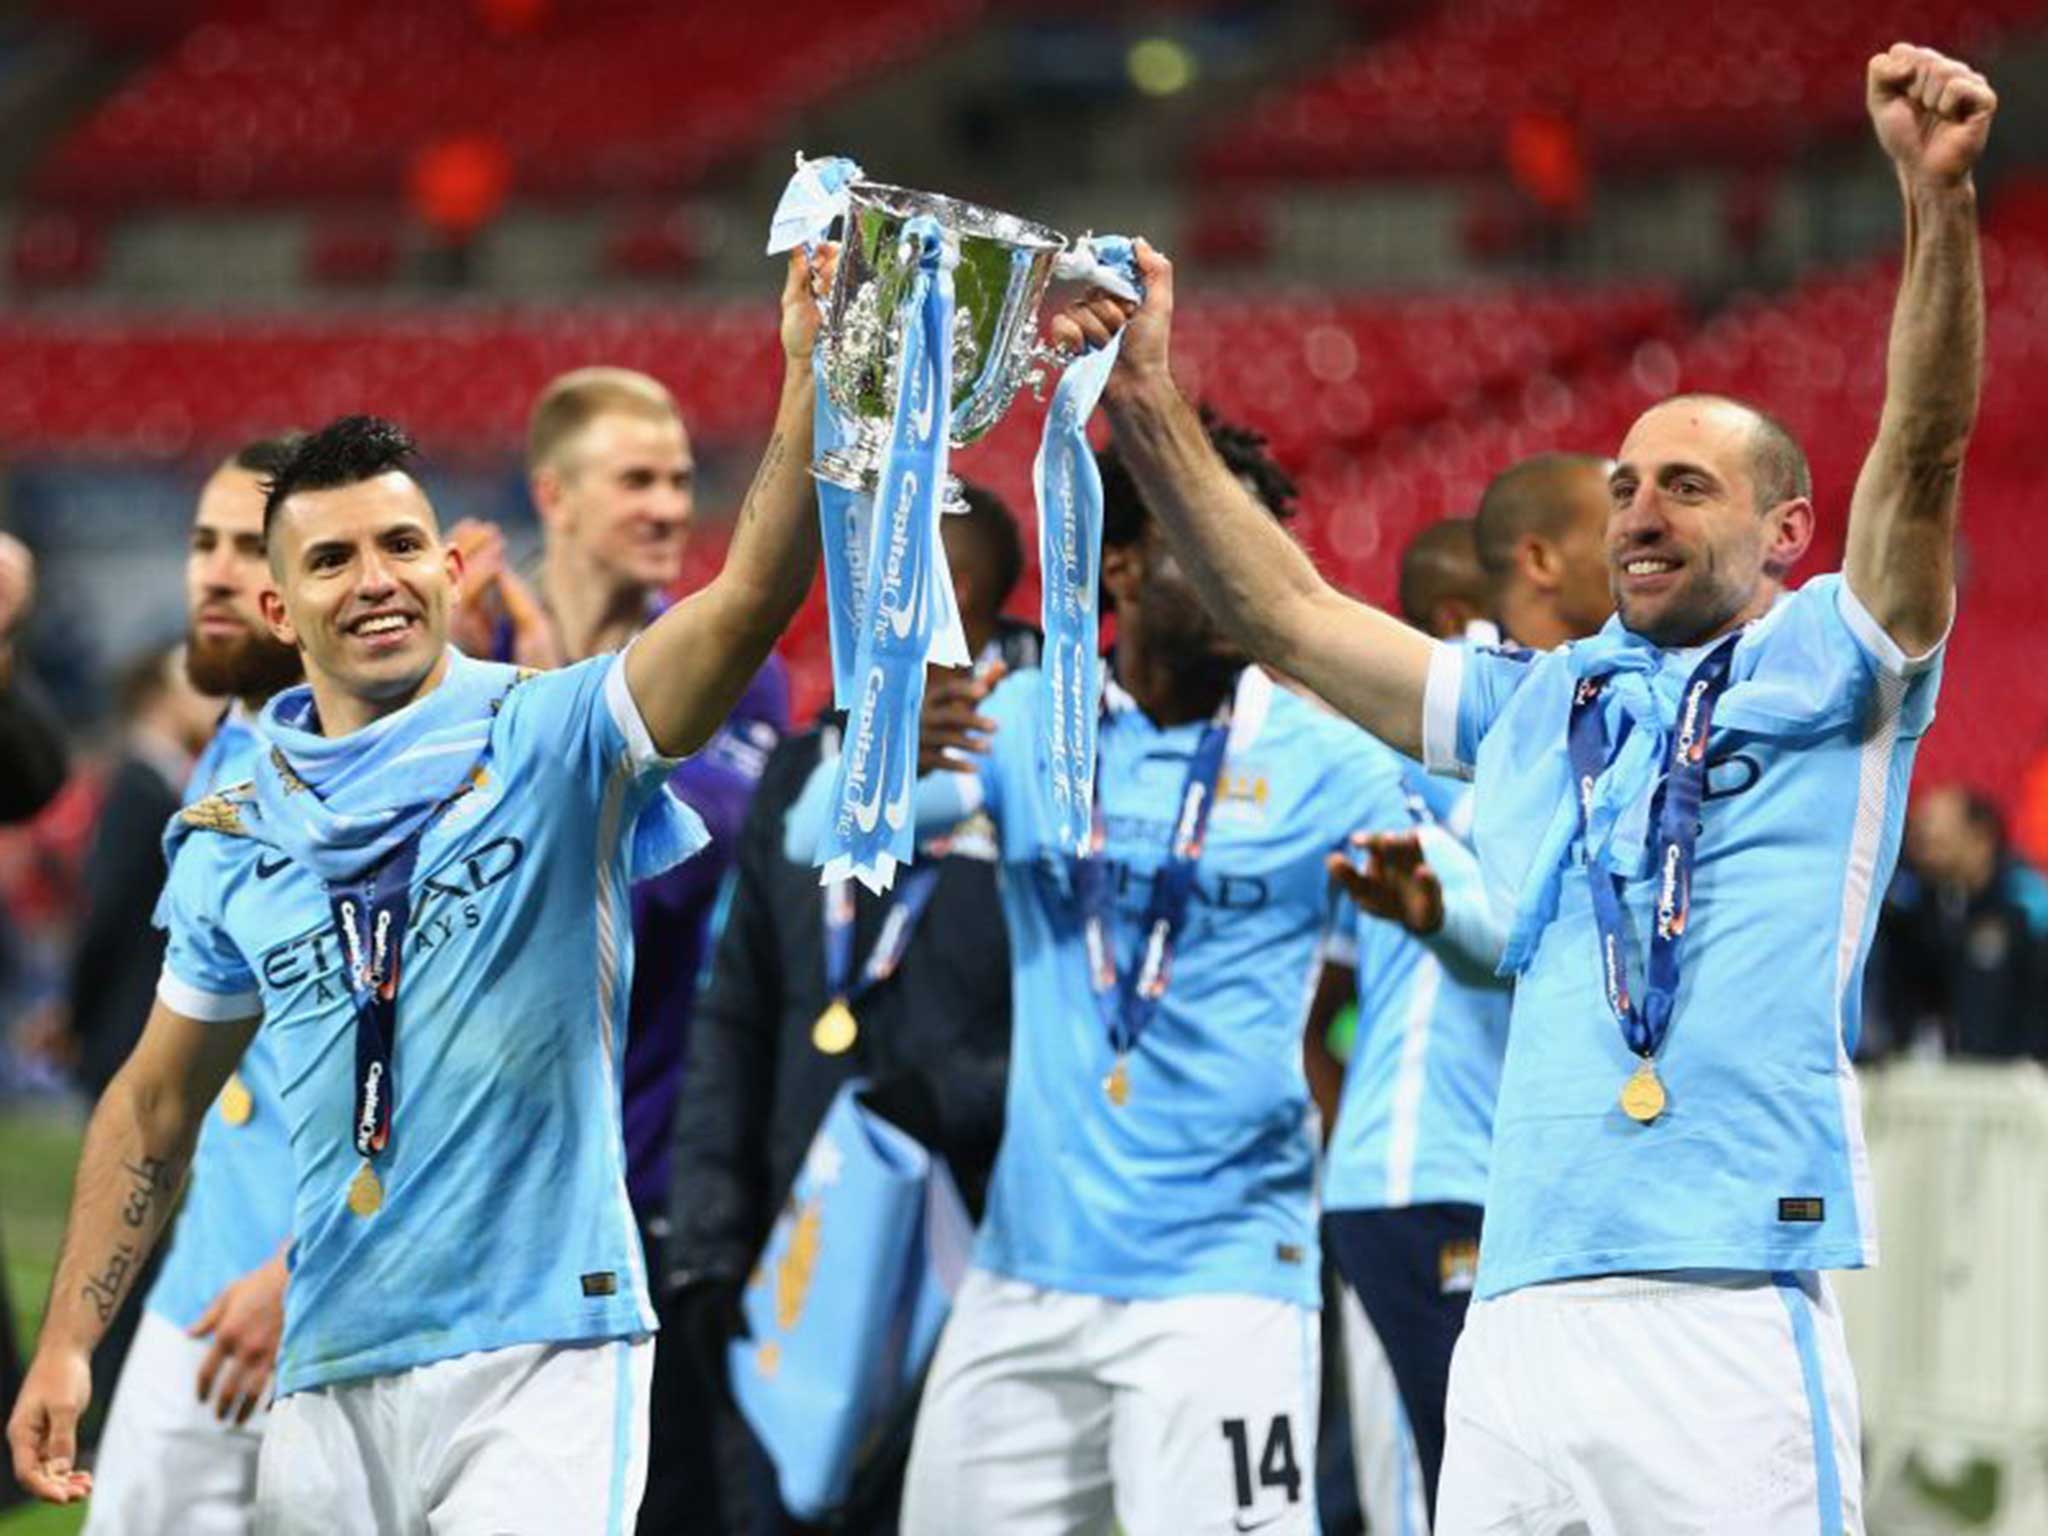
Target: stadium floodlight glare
[1161,66]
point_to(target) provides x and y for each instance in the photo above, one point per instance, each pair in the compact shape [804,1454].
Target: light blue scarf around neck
[341,805]
[1786,690]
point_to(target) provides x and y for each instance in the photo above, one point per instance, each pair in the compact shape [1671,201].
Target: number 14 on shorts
[1277,1467]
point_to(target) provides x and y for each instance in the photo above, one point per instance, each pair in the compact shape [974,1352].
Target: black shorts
[1411,1270]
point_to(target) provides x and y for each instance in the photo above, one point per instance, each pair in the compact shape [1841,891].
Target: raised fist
[1932,114]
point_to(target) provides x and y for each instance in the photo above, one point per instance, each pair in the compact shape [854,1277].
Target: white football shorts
[1688,1404]
[532,1440]
[1052,1413]
[165,1462]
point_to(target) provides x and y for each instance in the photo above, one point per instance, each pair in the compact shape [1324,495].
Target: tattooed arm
[136,1151]
[690,667]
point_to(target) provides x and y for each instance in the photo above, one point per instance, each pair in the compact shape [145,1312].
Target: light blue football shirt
[238,1201]
[1758,1162]
[1203,1183]
[1415,1122]
[505,1219]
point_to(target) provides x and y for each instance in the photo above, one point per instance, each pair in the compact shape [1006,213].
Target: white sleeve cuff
[1440,711]
[1883,649]
[206,1007]
[625,710]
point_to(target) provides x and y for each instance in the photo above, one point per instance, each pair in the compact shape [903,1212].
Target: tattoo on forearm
[149,1182]
[150,1186]
[103,1291]
[771,465]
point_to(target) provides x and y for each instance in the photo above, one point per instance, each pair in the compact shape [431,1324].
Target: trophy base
[857,466]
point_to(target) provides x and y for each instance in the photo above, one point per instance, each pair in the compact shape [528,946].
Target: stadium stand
[1327,376]
[1393,411]
[1324,371]
[264,100]
[1442,95]
[1815,358]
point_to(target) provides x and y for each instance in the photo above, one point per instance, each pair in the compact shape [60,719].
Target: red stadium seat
[1389,411]
[55,250]
[1653,82]
[309,99]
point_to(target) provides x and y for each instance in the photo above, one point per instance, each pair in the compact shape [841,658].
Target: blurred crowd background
[1418,239]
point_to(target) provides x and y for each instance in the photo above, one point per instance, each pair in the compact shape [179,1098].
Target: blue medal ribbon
[872,831]
[1128,1000]
[370,917]
[1677,818]
[899,922]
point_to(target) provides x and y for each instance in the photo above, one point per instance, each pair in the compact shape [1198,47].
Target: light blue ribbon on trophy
[845,524]
[1069,489]
[815,196]
[872,827]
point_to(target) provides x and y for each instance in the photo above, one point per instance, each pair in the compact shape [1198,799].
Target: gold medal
[836,1030]
[236,1105]
[366,1192]
[1118,1084]
[1642,1096]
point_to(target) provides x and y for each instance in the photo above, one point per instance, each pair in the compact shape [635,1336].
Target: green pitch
[38,1150]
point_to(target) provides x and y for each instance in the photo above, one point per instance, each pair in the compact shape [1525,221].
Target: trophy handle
[1042,364]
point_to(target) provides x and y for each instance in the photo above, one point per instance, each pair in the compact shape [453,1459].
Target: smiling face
[364,585]
[620,492]
[1690,553]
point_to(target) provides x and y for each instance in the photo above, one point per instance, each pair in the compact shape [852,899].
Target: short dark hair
[1244,454]
[1523,499]
[344,452]
[1778,470]
[265,456]
[1441,562]
[1983,814]
[989,524]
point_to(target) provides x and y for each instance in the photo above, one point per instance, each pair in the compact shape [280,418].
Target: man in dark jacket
[120,955]
[32,769]
[32,757]
[1962,944]
[933,1038]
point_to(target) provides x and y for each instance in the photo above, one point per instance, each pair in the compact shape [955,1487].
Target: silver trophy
[1005,266]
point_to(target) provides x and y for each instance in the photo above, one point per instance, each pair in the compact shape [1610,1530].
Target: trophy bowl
[1005,265]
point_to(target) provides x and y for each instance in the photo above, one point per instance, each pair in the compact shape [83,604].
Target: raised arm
[691,666]
[1932,116]
[136,1151]
[1253,578]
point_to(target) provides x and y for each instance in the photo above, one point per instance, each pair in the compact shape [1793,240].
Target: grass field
[38,1150]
